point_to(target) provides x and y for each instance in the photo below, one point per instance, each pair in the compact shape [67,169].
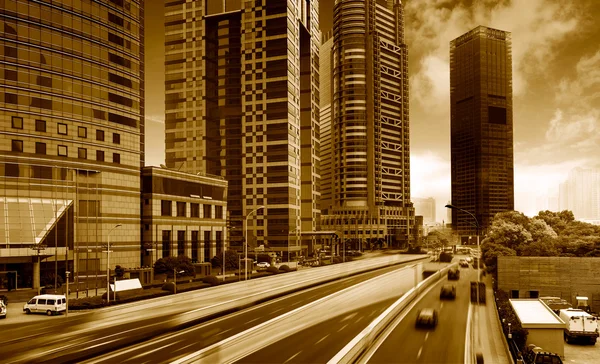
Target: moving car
[453,274]
[448,291]
[463,263]
[427,317]
[469,259]
[3,309]
[49,304]
[262,265]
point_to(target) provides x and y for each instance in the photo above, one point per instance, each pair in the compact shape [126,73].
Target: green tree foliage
[547,234]
[170,264]
[231,260]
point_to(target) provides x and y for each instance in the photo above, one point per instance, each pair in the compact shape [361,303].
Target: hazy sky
[556,86]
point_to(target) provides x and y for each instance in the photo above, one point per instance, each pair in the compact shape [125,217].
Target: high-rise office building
[242,102]
[425,207]
[72,137]
[481,124]
[368,194]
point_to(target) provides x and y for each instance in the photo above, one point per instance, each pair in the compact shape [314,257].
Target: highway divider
[353,351]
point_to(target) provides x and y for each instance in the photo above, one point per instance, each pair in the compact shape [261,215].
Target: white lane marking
[277,310]
[441,305]
[152,351]
[292,357]
[323,338]
[258,318]
[419,353]
[343,327]
[426,336]
[348,317]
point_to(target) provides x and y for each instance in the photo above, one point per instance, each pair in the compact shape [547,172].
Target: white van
[50,304]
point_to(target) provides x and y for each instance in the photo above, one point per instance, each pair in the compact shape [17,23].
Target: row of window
[63,151]
[166,209]
[62,129]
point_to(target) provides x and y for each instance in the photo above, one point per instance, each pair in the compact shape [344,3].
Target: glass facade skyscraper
[481,119]
[242,103]
[368,193]
[72,126]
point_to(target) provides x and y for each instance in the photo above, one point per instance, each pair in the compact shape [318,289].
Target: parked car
[3,309]
[427,317]
[49,304]
[448,291]
[262,265]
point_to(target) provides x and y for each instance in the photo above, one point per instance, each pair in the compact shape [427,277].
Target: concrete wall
[551,276]
[548,339]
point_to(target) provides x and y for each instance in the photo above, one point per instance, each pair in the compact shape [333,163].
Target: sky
[556,89]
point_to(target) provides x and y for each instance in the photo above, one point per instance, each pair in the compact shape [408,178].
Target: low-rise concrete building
[544,326]
[563,277]
[182,214]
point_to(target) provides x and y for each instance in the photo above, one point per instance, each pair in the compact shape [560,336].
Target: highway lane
[320,342]
[173,345]
[104,330]
[445,343]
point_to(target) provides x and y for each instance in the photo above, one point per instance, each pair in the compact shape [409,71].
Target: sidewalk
[489,339]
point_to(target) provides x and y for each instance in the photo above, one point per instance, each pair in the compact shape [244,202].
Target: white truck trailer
[580,325]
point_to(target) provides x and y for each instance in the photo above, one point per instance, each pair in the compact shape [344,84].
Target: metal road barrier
[354,350]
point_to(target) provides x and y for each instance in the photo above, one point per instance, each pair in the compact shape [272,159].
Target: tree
[170,264]
[557,220]
[119,271]
[231,260]
[507,233]
[541,248]
[540,230]
[490,253]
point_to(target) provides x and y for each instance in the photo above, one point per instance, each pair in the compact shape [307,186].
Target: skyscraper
[72,135]
[426,208]
[580,193]
[369,124]
[242,103]
[481,121]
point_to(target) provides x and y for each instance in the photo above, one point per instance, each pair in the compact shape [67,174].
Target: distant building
[242,91]
[580,193]
[481,126]
[426,208]
[183,214]
[366,129]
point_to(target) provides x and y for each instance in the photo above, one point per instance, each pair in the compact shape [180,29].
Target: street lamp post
[246,242]
[67,311]
[108,264]
[175,279]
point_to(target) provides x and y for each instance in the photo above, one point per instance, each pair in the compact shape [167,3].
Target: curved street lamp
[246,242]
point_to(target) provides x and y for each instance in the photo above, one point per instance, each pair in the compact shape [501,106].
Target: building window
[17,122]
[514,293]
[62,129]
[100,155]
[180,242]
[534,294]
[207,211]
[116,138]
[116,158]
[218,212]
[100,135]
[82,132]
[11,170]
[180,209]
[219,243]
[40,148]
[207,246]
[40,125]
[17,146]
[82,153]
[195,209]
[166,243]
[194,246]
[165,208]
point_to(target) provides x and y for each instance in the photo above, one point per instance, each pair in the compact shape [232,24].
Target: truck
[474,292]
[579,325]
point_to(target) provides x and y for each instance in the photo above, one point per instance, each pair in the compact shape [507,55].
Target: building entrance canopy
[25,223]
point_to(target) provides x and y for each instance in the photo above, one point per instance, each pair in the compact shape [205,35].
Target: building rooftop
[534,313]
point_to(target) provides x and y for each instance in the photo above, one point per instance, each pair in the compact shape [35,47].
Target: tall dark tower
[481,121]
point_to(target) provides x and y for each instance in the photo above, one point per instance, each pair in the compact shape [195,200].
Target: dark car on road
[453,274]
[448,291]
[427,317]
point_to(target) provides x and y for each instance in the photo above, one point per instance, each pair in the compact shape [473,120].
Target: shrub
[273,269]
[212,280]
[169,264]
[285,268]
[87,302]
[169,286]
